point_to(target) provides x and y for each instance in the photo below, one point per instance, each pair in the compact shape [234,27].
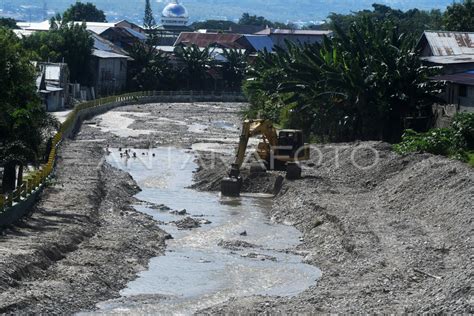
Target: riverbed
[236,252]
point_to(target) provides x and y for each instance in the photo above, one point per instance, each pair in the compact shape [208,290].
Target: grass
[471,158]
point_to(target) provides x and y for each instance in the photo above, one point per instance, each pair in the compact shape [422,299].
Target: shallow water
[196,272]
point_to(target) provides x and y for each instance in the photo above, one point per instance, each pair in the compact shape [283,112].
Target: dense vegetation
[245,19]
[457,141]
[412,22]
[8,23]
[460,16]
[360,85]
[84,12]
[24,125]
[64,42]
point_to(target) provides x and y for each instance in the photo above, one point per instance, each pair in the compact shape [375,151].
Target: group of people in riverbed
[128,153]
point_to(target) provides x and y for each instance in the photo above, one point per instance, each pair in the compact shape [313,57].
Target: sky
[278,10]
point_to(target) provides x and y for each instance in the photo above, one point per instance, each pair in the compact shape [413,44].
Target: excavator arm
[252,128]
[231,186]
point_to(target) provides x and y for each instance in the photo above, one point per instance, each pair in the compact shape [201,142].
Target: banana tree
[194,64]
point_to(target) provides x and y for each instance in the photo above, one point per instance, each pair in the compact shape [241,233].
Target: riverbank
[82,242]
[395,238]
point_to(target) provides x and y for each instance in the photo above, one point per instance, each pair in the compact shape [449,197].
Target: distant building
[246,29]
[460,90]
[53,85]
[300,37]
[109,66]
[249,43]
[174,20]
[454,52]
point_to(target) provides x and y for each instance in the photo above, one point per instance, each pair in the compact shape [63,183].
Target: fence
[16,204]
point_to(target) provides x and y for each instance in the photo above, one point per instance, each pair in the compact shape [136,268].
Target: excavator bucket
[231,187]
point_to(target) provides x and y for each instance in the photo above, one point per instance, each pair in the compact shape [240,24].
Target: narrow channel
[237,251]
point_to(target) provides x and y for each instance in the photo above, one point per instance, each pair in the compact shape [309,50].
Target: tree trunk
[9,177]
[20,176]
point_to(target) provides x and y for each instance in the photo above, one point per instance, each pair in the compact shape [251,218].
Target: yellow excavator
[279,149]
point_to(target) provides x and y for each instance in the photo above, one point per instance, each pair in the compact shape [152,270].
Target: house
[109,67]
[246,29]
[249,43]
[125,38]
[51,96]
[300,37]
[53,85]
[453,51]
[204,40]
[460,89]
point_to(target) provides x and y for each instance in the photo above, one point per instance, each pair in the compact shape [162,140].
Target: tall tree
[8,23]
[460,17]
[148,20]
[84,12]
[70,43]
[412,22]
[23,122]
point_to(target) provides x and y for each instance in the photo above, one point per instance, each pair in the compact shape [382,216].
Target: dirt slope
[393,238]
[82,243]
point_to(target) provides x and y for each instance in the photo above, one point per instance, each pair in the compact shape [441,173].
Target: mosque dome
[175,10]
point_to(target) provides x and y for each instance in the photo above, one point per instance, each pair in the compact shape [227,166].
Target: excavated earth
[391,234]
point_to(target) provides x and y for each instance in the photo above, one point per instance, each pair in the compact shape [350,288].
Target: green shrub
[456,141]
[463,127]
[437,141]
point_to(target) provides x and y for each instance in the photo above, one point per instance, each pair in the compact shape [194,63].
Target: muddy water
[197,270]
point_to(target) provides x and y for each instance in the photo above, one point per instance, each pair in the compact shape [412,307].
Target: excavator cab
[279,149]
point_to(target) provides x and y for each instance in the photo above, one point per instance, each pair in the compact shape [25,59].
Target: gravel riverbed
[393,238]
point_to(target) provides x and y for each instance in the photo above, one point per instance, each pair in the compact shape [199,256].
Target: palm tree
[150,69]
[234,68]
[194,64]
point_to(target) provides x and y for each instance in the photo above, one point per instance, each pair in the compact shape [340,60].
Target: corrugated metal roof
[260,42]
[206,39]
[447,60]
[466,78]
[136,34]
[35,26]
[102,44]
[53,88]
[104,54]
[450,43]
[98,29]
[270,31]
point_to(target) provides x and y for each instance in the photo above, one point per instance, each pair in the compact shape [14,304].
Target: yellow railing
[34,180]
